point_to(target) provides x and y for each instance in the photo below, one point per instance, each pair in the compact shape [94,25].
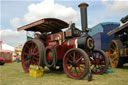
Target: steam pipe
[84,22]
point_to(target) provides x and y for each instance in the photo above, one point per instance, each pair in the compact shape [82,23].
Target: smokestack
[84,22]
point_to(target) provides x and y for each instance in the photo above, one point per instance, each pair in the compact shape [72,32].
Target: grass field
[13,74]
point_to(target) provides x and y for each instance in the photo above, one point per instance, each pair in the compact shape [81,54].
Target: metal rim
[90,43]
[31,54]
[113,54]
[50,62]
[49,59]
[76,63]
[99,62]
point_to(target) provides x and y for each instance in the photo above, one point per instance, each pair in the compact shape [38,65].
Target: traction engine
[118,48]
[71,51]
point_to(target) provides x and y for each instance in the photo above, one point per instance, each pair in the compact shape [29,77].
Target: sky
[17,13]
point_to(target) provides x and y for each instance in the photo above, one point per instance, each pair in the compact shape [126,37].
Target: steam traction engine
[71,50]
[118,49]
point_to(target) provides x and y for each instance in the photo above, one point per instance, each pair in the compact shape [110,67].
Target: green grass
[13,74]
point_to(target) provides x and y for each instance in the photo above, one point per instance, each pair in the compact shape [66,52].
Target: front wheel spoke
[82,67]
[75,71]
[74,56]
[79,59]
[69,60]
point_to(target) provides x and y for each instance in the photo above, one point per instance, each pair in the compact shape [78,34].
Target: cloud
[50,9]
[113,11]
[36,11]
[12,37]
[116,6]
[15,22]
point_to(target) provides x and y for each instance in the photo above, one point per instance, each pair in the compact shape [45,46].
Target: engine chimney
[84,22]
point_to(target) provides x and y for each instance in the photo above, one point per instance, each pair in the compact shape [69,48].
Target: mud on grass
[13,74]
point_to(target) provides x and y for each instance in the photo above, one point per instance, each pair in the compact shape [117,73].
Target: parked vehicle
[71,50]
[2,61]
[118,49]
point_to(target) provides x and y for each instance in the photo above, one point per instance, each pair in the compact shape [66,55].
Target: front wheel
[76,63]
[99,62]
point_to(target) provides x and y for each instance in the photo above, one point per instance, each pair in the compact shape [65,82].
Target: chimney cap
[83,5]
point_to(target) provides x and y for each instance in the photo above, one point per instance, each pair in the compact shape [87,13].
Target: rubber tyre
[41,49]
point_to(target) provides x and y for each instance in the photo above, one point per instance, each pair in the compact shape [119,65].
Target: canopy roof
[45,25]
[121,28]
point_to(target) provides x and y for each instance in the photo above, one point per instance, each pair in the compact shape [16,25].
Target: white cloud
[49,9]
[116,6]
[15,22]
[12,37]
[44,9]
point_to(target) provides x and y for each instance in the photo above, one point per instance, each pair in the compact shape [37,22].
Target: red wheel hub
[50,56]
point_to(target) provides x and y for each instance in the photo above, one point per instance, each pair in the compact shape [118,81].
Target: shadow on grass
[56,72]
[125,66]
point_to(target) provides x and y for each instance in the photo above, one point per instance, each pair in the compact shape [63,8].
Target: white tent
[7,47]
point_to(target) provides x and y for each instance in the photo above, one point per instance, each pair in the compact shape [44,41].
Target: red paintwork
[61,44]
[50,55]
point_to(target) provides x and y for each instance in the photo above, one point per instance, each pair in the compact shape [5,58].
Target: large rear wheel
[32,54]
[76,63]
[114,53]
